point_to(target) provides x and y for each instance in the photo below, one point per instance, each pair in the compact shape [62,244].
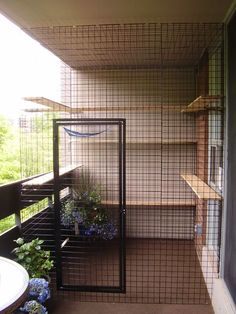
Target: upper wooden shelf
[204,103]
[200,188]
[49,105]
[160,202]
[48,177]
[53,106]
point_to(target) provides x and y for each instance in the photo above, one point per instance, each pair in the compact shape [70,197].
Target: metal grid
[166,81]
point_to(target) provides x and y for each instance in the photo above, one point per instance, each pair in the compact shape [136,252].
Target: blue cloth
[79,134]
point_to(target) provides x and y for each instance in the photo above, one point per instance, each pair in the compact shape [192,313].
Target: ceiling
[98,33]
[136,45]
[34,13]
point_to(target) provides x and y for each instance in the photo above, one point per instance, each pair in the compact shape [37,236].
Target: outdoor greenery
[25,213]
[37,145]
[9,151]
[33,258]
[25,150]
[7,223]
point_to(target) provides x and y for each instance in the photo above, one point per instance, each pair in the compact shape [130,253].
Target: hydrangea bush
[39,289]
[84,209]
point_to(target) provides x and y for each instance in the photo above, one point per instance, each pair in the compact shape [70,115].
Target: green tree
[4,130]
[9,151]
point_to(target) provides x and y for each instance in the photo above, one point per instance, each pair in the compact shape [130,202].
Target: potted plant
[33,258]
[83,211]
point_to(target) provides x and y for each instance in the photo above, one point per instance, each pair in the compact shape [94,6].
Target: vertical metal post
[122,203]
[57,204]
[17,208]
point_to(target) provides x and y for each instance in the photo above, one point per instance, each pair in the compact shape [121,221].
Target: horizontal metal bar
[91,120]
[108,289]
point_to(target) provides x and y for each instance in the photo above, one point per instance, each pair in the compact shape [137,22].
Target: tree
[9,152]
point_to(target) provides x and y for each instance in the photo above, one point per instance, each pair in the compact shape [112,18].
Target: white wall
[153,170]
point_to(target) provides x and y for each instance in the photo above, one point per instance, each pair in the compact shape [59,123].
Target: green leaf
[19,241]
[28,259]
[21,256]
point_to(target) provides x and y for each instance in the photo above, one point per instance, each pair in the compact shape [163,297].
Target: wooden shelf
[48,177]
[53,106]
[204,103]
[163,142]
[162,202]
[200,188]
[50,105]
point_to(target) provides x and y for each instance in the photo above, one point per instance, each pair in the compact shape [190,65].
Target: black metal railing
[31,206]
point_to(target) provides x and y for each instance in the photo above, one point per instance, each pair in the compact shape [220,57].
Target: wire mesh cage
[166,82]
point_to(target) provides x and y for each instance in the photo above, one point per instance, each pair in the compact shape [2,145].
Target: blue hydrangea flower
[107,231]
[33,307]
[77,216]
[39,289]
[91,230]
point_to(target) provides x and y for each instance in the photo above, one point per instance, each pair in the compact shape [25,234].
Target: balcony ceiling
[34,13]
[53,23]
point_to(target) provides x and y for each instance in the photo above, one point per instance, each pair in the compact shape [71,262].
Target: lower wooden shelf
[200,188]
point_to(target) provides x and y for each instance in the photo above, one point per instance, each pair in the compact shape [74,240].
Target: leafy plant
[33,258]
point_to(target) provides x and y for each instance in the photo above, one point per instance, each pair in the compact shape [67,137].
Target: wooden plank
[146,142]
[204,103]
[51,104]
[161,202]
[200,188]
[10,195]
[48,177]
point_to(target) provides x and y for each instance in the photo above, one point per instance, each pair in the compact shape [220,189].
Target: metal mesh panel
[166,81]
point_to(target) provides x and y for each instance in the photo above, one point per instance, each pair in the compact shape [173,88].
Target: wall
[160,140]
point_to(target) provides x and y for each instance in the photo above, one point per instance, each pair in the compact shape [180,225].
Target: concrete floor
[67,307]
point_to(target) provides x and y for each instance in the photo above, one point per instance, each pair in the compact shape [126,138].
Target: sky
[26,69]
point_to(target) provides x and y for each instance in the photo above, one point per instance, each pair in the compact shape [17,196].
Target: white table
[14,281]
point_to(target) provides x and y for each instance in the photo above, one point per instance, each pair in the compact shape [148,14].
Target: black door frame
[121,123]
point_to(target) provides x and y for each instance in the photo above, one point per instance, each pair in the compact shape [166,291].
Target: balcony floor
[158,272]
[62,307]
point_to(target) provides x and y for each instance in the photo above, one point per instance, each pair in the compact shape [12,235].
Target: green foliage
[7,223]
[86,190]
[32,210]
[4,130]
[33,258]
[9,152]
[37,145]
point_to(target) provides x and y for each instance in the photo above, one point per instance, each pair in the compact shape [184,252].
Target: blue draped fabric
[79,134]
